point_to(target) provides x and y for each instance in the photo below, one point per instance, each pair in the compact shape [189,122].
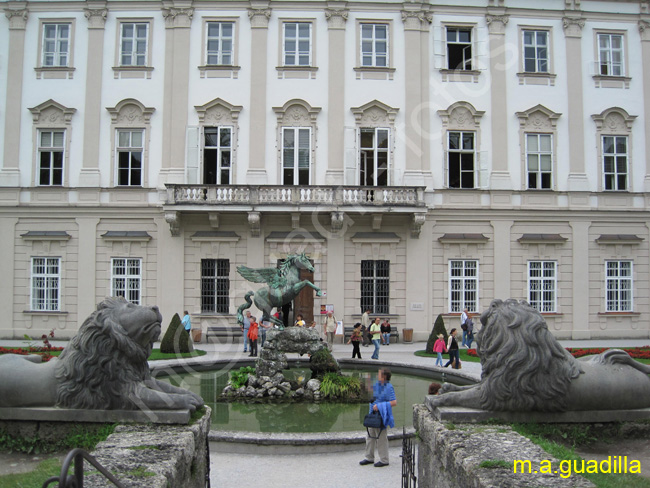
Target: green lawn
[463,356]
[157,355]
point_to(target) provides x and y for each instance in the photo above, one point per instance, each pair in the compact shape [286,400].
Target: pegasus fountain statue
[282,285]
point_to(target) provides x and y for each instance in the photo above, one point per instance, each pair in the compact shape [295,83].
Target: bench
[394,334]
[223,332]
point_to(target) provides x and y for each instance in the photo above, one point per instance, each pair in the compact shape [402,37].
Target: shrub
[176,338]
[323,362]
[438,328]
[338,386]
[239,377]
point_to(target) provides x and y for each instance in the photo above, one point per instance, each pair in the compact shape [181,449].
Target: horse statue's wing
[271,276]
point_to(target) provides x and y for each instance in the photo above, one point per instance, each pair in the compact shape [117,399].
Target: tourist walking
[252,336]
[470,332]
[463,325]
[384,401]
[329,327]
[244,328]
[385,332]
[375,333]
[355,339]
[452,347]
[439,347]
[365,328]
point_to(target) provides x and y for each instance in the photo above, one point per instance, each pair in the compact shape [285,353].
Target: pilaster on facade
[644,31]
[96,17]
[178,17]
[497,23]
[573,26]
[336,17]
[416,18]
[17,17]
[259,15]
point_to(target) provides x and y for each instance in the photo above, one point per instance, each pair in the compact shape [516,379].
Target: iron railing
[409,473]
[76,480]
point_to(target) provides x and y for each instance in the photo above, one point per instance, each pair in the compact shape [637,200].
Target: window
[459,48]
[220,43]
[619,286]
[126,278]
[536,51]
[374,45]
[45,284]
[375,286]
[133,43]
[610,55]
[373,156]
[542,281]
[50,156]
[461,158]
[297,44]
[56,45]
[539,161]
[615,162]
[217,155]
[296,151]
[215,285]
[129,157]
[463,285]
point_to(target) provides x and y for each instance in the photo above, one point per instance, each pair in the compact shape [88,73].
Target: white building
[427,157]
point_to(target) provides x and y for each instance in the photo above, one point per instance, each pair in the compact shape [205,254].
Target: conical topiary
[438,328]
[176,338]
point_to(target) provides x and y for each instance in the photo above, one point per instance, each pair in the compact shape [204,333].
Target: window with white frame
[539,161]
[46,284]
[220,43]
[375,286]
[374,156]
[215,285]
[129,157]
[374,45]
[56,44]
[463,285]
[296,155]
[126,279]
[536,51]
[51,149]
[610,55]
[461,159]
[459,48]
[134,38]
[297,44]
[618,286]
[217,155]
[542,285]
[615,162]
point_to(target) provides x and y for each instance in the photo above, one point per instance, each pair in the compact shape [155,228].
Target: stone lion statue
[104,366]
[526,369]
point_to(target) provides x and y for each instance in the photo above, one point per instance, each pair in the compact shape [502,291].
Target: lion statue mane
[524,368]
[104,366]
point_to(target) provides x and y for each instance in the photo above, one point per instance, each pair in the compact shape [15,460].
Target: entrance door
[303,304]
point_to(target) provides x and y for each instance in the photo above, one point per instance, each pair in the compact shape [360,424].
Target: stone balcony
[257,200]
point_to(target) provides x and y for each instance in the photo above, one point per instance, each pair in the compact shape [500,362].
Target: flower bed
[635,352]
[44,352]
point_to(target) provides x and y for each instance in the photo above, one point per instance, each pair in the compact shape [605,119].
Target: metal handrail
[77,480]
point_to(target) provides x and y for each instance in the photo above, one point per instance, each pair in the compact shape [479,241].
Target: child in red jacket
[252,336]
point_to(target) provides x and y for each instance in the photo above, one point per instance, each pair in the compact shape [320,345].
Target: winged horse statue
[283,285]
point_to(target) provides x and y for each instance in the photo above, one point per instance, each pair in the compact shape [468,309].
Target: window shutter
[481,47]
[483,173]
[439,47]
[192,161]
[350,175]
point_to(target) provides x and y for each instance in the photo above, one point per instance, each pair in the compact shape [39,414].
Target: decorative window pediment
[375,114]
[52,114]
[614,120]
[218,112]
[461,115]
[538,118]
[130,113]
[297,113]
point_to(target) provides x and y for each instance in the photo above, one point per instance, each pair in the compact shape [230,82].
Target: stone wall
[153,455]
[453,456]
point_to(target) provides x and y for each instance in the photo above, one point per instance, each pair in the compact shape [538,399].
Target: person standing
[452,347]
[355,339]
[463,325]
[439,347]
[375,333]
[329,327]
[264,326]
[252,336]
[384,401]
[187,322]
[470,332]
[299,321]
[365,328]
[245,327]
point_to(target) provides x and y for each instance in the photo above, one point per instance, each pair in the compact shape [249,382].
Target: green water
[299,417]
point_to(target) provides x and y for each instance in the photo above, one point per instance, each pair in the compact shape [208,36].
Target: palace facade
[427,157]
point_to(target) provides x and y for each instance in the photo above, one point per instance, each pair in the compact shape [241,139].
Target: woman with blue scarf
[383,403]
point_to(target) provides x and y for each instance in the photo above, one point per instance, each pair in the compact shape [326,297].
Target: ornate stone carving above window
[375,114]
[538,119]
[297,113]
[130,113]
[218,112]
[614,120]
[52,114]
[461,116]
